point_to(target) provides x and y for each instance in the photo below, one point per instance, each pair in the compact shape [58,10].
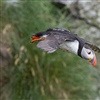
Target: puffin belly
[71,46]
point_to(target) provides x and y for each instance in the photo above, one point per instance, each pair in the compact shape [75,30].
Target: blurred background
[28,73]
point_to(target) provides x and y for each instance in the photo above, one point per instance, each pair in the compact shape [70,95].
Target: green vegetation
[36,75]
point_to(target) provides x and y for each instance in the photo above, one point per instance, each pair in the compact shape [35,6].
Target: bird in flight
[60,38]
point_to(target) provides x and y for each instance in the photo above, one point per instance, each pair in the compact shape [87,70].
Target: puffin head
[89,55]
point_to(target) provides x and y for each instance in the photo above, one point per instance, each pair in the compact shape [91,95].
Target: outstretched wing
[53,40]
[93,47]
[90,45]
[49,45]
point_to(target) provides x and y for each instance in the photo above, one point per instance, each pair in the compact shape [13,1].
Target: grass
[36,75]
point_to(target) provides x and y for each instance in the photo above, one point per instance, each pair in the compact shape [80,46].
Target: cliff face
[86,11]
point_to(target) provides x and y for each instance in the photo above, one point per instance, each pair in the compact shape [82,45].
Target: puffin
[60,38]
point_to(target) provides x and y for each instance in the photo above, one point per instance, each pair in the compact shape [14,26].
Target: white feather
[71,46]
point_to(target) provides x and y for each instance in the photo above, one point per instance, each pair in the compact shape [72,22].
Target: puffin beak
[93,61]
[35,38]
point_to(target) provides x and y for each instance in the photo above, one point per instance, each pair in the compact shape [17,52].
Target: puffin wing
[90,45]
[93,47]
[52,41]
[49,45]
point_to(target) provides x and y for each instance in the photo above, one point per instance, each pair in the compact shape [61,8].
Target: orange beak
[35,38]
[94,61]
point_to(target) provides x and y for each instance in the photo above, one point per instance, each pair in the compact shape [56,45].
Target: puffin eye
[89,53]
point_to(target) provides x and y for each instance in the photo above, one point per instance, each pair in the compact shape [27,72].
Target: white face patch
[71,46]
[87,53]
